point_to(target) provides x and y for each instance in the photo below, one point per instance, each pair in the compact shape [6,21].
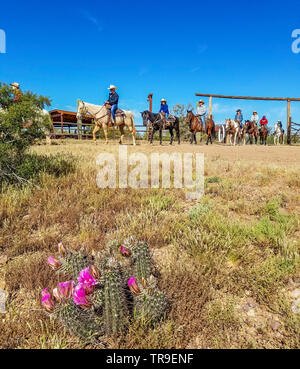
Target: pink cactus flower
[54,264]
[61,249]
[47,301]
[66,289]
[56,295]
[87,280]
[125,252]
[80,297]
[45,292]
[133,286]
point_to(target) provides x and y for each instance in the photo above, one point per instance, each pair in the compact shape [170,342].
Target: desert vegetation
[228,263]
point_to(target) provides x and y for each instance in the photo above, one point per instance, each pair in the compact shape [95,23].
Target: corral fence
[287,99]
[65,125]
[295,132]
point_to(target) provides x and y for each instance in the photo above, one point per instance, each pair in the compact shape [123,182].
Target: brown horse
[195,125]
[251,130]
[263,133]
[210,130]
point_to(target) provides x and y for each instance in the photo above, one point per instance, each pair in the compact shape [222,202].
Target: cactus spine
[83,323]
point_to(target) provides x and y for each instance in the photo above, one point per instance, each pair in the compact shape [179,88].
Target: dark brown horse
[263,133]
[251,130]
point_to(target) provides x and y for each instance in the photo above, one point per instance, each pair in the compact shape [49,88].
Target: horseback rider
[17,90]
[239,117]
[113,100]
[255,118]
[164,109]
[279,124]
[263,122]
[201,111]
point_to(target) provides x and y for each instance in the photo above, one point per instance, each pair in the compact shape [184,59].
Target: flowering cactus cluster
[106,291]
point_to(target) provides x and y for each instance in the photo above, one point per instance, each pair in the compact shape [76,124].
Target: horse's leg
[121,128]
[160,135]
[178,135]
[95,130]
[195,138]
[172,135]
[105,130]
[154,129]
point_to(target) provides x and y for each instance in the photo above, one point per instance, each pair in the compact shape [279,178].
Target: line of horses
[234,134]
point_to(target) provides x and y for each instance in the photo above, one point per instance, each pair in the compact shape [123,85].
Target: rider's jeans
[113,111]
[203,119]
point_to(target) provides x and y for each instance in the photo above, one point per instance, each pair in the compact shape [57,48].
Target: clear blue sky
[76,49]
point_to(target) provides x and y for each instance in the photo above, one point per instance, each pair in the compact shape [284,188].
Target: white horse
[278,135]
[102,118]
[233,131]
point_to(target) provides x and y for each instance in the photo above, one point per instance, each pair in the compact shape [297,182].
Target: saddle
[200,118]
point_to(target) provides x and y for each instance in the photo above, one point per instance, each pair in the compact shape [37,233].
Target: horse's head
[145,116]
[227,123]
[189,117]
[81,109]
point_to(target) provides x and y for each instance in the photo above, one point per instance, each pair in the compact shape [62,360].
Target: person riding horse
[164,109]
[263,122]
[255,119]
[279,124]
[113,100]
[201,111]
[239,117]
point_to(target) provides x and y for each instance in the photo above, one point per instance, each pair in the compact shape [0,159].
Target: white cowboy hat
[112,87]
[15,84]
[201,101]
[163,100]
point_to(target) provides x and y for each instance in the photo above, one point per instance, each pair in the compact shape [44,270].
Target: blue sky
[69,50]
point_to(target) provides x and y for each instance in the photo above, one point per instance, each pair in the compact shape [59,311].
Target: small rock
[251,313]
[296,306]
[246,307]
[291,282]
[3,259]
[296,293]
[275,325]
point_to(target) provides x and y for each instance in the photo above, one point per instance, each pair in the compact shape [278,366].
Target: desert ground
[229,262]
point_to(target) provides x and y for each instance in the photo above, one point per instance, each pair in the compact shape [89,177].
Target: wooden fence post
[210,107]
[289,122]
[79,127]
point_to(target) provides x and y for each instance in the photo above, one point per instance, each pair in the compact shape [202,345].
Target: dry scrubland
[228,262]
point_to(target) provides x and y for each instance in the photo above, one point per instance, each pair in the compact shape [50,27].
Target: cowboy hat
[112,87]
[201,101]
[15,84]
[255,112]
[163,100]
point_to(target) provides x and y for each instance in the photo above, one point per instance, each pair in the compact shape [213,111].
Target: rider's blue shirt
[164,108]
[113,98]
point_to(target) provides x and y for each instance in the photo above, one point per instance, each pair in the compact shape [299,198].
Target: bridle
[85,111]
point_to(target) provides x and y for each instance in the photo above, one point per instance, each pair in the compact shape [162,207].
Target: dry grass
[240,241]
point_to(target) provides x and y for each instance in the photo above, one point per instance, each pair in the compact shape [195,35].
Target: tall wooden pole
[210,107]
[150,96]
[289,122]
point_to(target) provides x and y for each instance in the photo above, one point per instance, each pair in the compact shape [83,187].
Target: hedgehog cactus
[108,283]
[83,323]
[115,304]
[73,262]
[150,305]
